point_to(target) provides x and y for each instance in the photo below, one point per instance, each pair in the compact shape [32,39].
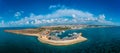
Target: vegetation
[41,29]
[60,28]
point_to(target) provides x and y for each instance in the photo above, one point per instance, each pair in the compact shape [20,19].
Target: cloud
[2,23]
[17,14]
[57,6]
[62,16]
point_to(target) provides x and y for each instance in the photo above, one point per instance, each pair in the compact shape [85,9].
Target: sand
[62,42]
[44,39]
[59,42]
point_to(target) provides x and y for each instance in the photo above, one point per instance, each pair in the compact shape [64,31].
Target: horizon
[34,13]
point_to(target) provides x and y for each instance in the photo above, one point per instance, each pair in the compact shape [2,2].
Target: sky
[22,13]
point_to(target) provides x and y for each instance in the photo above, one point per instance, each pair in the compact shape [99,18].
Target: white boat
[74,33]
[69,34]
[63,31]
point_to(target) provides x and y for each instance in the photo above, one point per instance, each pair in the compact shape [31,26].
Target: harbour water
[100,40]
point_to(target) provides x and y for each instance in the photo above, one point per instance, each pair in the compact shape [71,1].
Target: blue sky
[43,12]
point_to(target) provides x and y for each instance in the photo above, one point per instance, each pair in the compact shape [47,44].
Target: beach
[44,35]
[46,39]
[62,42]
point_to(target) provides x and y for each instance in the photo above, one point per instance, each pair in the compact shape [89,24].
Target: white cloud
[2,23]
[56,6]
[102,17]
[62,16]
[19,13]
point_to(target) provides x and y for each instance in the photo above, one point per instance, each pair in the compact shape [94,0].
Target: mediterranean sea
[99,40]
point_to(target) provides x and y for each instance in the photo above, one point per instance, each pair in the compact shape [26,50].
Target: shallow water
[100,40]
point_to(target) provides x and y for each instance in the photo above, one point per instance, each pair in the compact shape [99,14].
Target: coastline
[44,35]
[59,42]
[62,43]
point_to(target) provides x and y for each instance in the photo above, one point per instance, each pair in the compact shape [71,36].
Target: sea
[100,40]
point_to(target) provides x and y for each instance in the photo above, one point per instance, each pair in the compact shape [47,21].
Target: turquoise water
[100,40]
